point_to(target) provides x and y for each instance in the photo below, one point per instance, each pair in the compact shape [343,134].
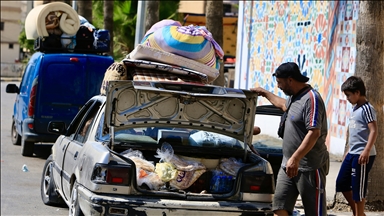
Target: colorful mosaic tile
[320,36]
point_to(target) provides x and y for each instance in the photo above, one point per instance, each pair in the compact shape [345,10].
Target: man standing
[304,130]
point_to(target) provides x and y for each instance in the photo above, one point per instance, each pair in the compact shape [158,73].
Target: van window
[26,82]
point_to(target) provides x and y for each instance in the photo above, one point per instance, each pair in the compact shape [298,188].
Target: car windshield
[267,141]
[174,136]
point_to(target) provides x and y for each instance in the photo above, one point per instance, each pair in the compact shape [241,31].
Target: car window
[84,128]
[173,136]
[267,141]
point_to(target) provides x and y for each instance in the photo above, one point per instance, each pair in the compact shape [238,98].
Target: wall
[318,35]
[11,16]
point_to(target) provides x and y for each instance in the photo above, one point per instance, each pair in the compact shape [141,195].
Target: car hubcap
[47,178]
[72,207]
[14,133]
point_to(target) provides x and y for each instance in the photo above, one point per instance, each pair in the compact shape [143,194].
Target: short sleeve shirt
[358,128]
[306,112]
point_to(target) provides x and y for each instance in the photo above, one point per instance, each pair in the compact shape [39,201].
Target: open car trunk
[187,141]
[200,174]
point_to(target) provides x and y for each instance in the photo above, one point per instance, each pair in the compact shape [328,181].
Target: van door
[61,89]
[96,67]
[22,99]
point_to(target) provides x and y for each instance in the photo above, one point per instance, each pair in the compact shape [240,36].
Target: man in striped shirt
[353,175]
[305,161]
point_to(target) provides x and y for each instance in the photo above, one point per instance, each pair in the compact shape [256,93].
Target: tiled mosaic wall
[318,35]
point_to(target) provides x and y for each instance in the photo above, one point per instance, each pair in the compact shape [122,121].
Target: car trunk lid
[146,104]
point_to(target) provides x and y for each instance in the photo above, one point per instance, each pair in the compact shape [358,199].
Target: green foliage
[26,44]
[124,18]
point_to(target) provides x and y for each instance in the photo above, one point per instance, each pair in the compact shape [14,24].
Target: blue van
[54,86]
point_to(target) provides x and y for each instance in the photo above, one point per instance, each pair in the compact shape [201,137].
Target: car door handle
[64,147]
[75,156]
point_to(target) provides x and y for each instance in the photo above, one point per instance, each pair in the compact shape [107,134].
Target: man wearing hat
[303,128]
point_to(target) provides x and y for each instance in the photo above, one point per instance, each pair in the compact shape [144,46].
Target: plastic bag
[166,171]
[185,179]
[152,180]
[230,165]
[137,157]
[166,154]
[144,170]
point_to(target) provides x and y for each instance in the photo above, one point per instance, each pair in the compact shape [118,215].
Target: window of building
[10,46]
[2,26]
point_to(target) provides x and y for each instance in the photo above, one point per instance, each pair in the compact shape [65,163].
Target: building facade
[13,14]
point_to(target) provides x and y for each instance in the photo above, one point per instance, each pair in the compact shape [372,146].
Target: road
[20,191]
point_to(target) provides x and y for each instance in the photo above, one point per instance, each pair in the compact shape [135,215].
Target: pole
[74,6]
[140,22]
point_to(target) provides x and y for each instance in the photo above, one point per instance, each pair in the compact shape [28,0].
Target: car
[160,148]
[267,143]
[54,86]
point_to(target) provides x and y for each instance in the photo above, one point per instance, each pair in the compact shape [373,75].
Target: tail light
[257,183]
[32,99]
[112,174]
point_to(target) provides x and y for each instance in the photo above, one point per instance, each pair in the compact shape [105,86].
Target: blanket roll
[193,42]
[35,23]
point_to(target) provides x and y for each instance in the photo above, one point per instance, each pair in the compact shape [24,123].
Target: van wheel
[47,188]
[27,148]
[74,207]
[16,138]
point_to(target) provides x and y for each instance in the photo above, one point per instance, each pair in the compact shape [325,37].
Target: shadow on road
[43,150]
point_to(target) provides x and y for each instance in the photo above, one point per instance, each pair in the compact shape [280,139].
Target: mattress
[142,52]
[141,74]
[176,70]
[35,23]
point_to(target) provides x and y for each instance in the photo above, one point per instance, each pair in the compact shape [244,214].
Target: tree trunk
[214,23]
[84,8]
[108,21]
[49,1]
[151,14]
[370,67]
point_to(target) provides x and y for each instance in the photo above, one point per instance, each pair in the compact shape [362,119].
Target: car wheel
[16,138]
[74,207]
[27,148]
[47,188]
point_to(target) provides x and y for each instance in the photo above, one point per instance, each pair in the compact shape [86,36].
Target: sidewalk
[10,79]
[331,190]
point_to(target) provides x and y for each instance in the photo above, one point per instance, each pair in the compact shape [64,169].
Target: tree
[370,67]
[49,1]
[151,14]
[84,8]
[124,22]
[108,21]
[214,23]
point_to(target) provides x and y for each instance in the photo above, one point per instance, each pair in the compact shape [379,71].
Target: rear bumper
[93,204]
[31,136]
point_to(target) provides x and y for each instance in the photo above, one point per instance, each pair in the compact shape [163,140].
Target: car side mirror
[12,88]
[57,127]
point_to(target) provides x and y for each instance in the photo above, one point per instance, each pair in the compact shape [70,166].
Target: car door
[75,141]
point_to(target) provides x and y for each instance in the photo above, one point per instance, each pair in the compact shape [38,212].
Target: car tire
[16,138]
[47,187]
[74,207]
[27,148]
